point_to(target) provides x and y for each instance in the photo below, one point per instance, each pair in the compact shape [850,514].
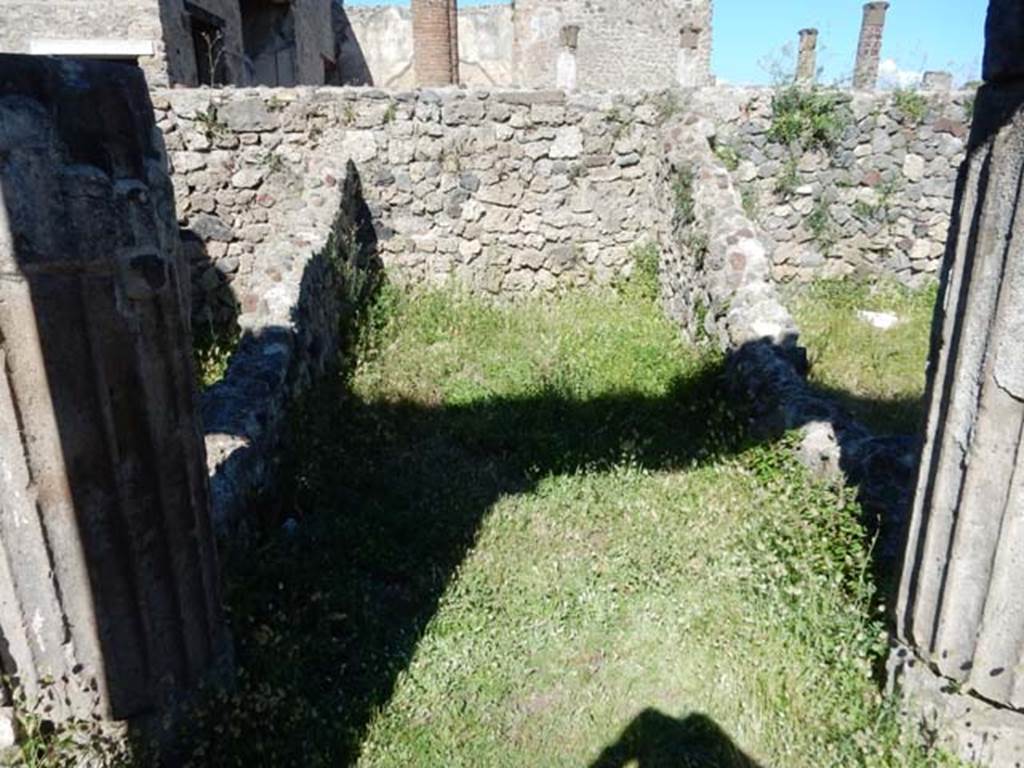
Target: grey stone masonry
[876,202]
[869,47]
[109,582]
[960,613]
[807,57]
[502,191]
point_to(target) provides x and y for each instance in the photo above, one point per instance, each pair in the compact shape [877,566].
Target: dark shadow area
[214,308]
[656,740]
[353,68]
[105,487]
[268,35]
[379,504]
[771,380]
[895,416]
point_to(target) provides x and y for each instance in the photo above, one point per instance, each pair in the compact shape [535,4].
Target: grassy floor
[535,537]
[879,375]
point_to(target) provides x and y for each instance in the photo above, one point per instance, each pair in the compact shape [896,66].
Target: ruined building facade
[615,45]
[183,42]
[612,46]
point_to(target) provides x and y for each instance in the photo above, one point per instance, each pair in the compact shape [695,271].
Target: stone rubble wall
[877,204]
[511,192]
[323,269]
[503,192]
[717,284]
[716,271]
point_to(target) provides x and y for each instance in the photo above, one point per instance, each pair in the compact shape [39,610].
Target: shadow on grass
[380,503]
[655,740]
[902,416]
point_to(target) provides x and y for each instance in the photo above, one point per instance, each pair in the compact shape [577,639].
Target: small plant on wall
[807,119]
[728,155]
[912,106]
[682,189]
[820,225]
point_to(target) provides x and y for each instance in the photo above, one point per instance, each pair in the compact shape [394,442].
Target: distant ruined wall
[22,21]
[314,39]
[875,204]
[375,46]
[504,192]
[623,44]
[165,29]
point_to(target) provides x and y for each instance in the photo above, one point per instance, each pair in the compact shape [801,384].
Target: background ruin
[515,186]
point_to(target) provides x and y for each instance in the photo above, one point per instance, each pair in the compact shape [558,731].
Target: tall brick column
[434,60]
[807,57]
[961,605]
[108,570]
[869,49]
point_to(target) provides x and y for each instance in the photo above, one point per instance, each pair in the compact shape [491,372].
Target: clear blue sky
[753,36]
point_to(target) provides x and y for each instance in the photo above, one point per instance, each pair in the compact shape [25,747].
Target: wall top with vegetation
[845,183]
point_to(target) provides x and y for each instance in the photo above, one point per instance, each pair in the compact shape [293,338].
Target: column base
[971,728]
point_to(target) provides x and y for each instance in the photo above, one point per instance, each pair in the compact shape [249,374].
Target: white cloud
[891,75]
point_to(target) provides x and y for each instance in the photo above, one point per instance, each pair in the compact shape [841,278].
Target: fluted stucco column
[869,48]
[108,570]
[961,605]
[807,57]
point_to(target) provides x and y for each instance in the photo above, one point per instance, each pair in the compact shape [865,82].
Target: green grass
[879,375]
[211,354]
[535,535]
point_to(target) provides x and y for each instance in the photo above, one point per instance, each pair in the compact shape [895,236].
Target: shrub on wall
[912,106]
[805,119]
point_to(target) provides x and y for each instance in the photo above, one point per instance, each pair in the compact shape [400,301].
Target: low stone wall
[294,338]
[716,271]
[877,202]
[503,192]
[716,282]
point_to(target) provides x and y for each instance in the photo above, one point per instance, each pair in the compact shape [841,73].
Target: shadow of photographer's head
[656,740]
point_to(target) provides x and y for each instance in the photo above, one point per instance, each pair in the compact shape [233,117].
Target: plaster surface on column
[690,71]
[108,570]
[566,75]
[960,614]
